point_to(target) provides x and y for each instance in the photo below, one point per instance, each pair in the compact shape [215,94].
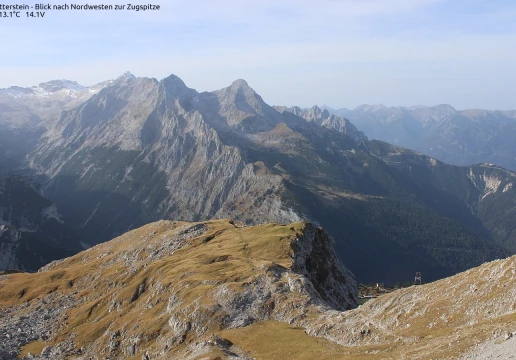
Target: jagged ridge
[140,150]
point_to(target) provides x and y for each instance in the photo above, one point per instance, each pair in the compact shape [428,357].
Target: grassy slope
[225,254]
[442,320]
[439,320]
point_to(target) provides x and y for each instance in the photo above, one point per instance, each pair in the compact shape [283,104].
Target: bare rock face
[9,248]
[316,259]
[168,289]
[323,117]
[157,144]
[137,150]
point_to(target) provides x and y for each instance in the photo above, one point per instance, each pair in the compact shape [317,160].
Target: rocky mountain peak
[326,107]
[125,77]
[435,114]
[323,117]
[174,82]
[240,84]
[243,93]
[445,108]
[322,112]
[367,107]
[239,101]
[176,88]
[240,87]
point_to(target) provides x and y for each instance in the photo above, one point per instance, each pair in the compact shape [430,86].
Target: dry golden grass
[276,340]
[225,254]
[441,320]
[33,348]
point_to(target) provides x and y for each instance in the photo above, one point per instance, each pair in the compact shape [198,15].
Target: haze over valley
[462,137]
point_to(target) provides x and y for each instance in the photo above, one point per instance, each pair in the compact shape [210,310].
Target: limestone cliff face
[315,258]
[167,289]
[138,150]
[154,146]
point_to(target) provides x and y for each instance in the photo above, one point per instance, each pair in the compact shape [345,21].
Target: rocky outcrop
[9,247]
[314,257]
[165,289]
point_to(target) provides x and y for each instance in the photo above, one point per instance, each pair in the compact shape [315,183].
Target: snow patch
[51,89]
[507,187]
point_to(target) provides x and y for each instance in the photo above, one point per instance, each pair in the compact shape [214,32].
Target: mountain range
[130,151]
[462,137]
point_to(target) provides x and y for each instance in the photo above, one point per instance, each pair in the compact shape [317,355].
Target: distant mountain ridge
[26,113]
[141,150]
[323,117]
[462,137]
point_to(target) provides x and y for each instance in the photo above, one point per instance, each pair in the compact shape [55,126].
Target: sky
[341,53]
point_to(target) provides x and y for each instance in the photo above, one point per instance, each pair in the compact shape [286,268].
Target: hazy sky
[292,52]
